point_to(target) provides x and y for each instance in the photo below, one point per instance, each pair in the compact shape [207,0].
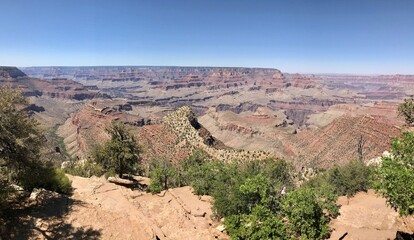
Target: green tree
[260,224]
[163,175]
[304,214]
[395,176]
[350,178]
[20,144]
[20,138]
[325,193]
[406,110]
[120,153]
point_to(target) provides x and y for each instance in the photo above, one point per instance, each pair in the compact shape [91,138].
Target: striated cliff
[56,88]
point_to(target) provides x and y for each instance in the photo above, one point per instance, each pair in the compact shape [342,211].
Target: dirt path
[366,217]
[120,213]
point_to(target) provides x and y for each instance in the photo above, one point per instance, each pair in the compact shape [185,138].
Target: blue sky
[332,36]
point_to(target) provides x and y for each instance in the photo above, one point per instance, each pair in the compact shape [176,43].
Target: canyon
[315,120]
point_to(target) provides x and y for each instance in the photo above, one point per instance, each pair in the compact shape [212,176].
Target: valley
[234,115]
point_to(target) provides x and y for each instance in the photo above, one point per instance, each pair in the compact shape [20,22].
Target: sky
[318,36]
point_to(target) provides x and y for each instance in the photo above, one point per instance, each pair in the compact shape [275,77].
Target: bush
[325,193]
[394,179]
[229,199]
[163,176]
[406,110]
[350,179]
[60,182]
[304,214]
[264,213]
[86,169]
[262,223]
[45,175]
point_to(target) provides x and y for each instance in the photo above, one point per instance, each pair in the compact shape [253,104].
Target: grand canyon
[199,120]
[233,114]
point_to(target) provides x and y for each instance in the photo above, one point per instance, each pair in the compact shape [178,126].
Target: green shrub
[60,182]
[394,179]
[45,175]
[262,223]
[325,193]
[229,199]
[351,178]
[119,154]
[86,169]
[262,212]
[163,175]
[304,214]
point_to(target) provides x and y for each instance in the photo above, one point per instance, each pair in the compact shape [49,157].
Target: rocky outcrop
[182,123]
[242,107]
[10,73]
[54,88]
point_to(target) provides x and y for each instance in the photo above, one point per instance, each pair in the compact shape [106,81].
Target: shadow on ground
[43,220]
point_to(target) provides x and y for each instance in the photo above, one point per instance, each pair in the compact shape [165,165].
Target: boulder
[40,195]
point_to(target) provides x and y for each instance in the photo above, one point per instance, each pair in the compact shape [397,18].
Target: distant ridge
[11,72]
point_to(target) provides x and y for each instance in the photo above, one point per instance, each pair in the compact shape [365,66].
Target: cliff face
[174,78]
[173,139]
[56,88]
[337,142]
[10,72]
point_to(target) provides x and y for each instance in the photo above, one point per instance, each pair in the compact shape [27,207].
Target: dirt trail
[366,217]
[120,213]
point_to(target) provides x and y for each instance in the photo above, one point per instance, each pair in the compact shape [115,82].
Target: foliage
[406,110]
[120,153]
[20,144]
[230,199]
[325,193]
[45,175]
[195,171]
[85,169]
[350,178]
[261,223]
[305,218]
[19,135]
[266,214]
[394,179]
[163,176]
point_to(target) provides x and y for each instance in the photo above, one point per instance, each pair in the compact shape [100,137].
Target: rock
[199,214]
[221,228]
[41,195]
[19,191]
[404,236]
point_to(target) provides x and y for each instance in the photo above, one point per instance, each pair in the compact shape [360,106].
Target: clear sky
[332,36]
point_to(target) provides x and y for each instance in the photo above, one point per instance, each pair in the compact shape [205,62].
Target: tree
[395,176]
[261,223]
[361,143]
[19,136]
[406,110]
[350,178]
[163,175]
[304,215]
[120,154]
[20,145]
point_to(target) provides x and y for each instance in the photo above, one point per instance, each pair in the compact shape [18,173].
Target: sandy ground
[102,210]
[367,217]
